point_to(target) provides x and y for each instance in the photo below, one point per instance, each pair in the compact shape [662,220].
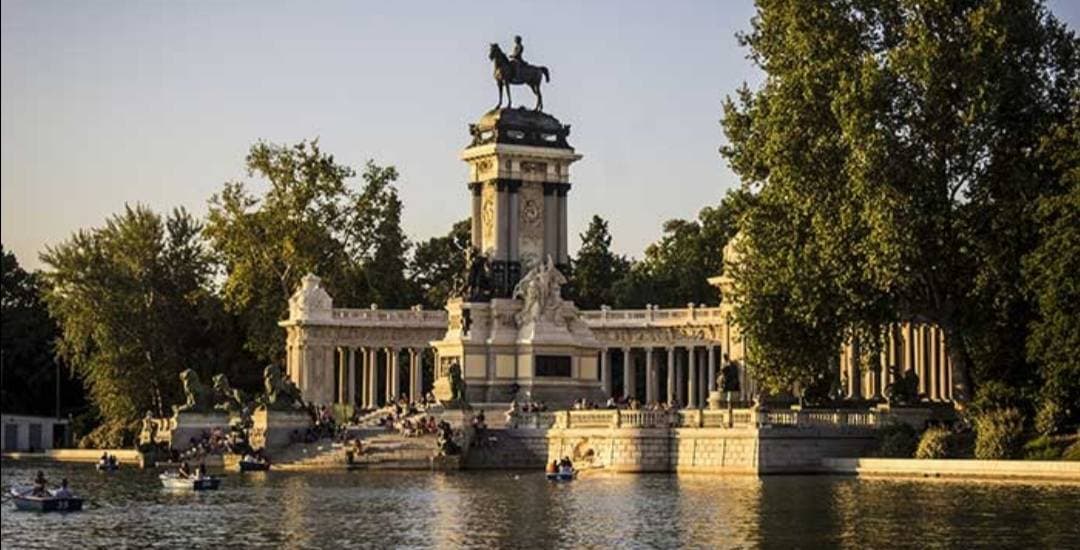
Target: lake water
[522,510]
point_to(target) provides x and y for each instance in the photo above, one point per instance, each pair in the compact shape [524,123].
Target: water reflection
[500,509]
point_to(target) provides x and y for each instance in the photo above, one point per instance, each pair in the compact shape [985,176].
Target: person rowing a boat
[552,468]
[184,471]
[40,485]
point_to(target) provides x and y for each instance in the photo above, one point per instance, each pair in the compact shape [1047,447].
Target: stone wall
[524,448]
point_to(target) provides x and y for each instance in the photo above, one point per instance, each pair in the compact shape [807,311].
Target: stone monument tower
[519,332]
[519,175]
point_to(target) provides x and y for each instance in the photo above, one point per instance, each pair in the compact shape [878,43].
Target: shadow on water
[515,509]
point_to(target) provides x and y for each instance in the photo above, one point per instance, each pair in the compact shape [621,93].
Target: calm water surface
[498,509]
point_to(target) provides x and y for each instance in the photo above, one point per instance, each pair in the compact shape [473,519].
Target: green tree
[380,243]
[29,362]
[438,262]
[310,220]
[675,270]
[900,141]
[596,267]
[1052,277]
[134,303]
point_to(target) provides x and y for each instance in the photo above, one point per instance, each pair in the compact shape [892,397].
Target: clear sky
[157,102]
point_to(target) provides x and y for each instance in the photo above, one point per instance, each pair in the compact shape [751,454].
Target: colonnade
[910,346]
[683,375]
[366,376]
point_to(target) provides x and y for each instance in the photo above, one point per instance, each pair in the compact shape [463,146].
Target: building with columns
[519,181]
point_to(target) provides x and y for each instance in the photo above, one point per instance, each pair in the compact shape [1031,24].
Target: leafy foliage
[934,443]
[894,148]
[596,267]
[897,440]
[135,306]
[999,434]
[439,261]
[30,365]
[308,221]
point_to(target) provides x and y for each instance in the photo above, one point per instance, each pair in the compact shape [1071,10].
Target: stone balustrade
[411,318]
[652,316]
[705,418]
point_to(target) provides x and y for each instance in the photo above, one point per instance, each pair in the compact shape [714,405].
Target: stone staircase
[391,450]
[323,454]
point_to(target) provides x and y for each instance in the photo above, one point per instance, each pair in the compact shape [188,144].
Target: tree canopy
[310,220]
[894,151]
[30,365]
[135,306]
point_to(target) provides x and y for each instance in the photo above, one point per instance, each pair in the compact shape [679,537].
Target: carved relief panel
[531,229]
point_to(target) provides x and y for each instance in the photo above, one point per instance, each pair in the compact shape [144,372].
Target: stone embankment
[954,468]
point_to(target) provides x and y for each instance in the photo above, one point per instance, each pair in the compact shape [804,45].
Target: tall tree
[134,304]
[1052,279]
[29,363]
[310,220]
[900,139]
[596,267]
[438,262]
[675,269]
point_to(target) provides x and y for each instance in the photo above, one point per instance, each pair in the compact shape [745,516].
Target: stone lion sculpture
[229,399]
[199,398]
[281,393]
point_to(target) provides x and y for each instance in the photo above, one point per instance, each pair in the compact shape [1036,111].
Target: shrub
[998,434]
[934,443]
[1072,452]
[1042,448]
[897,440]
[1050,418]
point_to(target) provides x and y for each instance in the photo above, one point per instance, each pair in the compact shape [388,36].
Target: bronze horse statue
[508,72]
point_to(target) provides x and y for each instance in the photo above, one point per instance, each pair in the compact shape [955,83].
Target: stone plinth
[274,429]
[187,425]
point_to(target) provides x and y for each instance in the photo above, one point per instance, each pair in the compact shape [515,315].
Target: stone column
[933,352]
[680,382]
[392,387]
[551,215]
[351,394]
[342,375]
[564,257]
[477,228]
[605,371]
[691,378]
[712,369]
[628,374]
[855,374]
[670,374]
[415,373]
[512,236]
[651,388]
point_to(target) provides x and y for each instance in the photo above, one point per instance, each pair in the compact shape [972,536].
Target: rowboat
[173,481]
[246,466]
[562,475]
[107,467]
[25,501]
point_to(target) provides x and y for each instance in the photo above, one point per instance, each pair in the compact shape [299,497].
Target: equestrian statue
[513,70]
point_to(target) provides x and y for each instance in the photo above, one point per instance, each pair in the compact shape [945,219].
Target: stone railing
[534,420]
[418,318]
[697,418]
[652,316]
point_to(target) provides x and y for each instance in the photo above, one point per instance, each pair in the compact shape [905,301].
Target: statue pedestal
[188,425]
[275,429]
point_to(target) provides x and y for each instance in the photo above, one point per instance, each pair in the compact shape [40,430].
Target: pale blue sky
[157,102]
